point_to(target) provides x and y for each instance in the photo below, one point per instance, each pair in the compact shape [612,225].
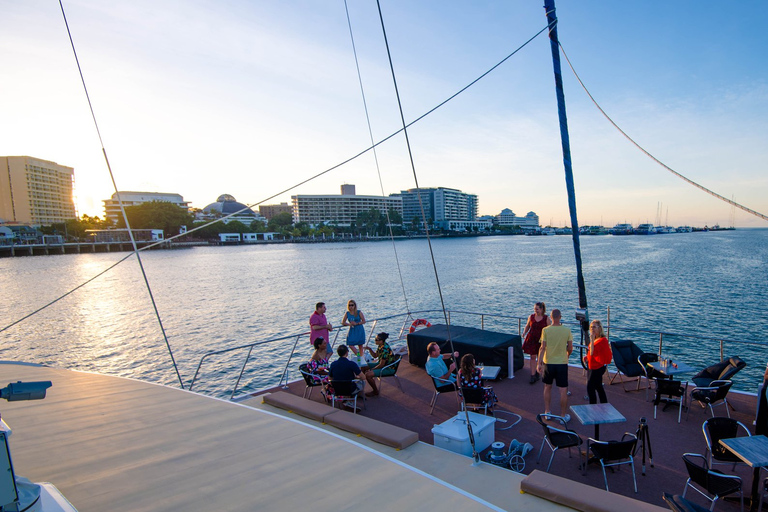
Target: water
[211,298]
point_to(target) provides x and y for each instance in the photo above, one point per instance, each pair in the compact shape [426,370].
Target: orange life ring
[418,322]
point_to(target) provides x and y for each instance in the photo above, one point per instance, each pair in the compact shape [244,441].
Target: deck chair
[556,438]
[677,503]
[723,370]
[625,354]
[718,428]
[650,374]
[670,391]
[474,400]
[709,483]
[345,391]
[310,379]
[713,395]
[389,371]
[445,386]
[615,453]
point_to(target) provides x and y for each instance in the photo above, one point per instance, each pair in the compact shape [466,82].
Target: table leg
[755,486]
[597,432]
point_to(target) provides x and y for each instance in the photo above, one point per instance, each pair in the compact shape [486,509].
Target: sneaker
[533,379]
[567,418]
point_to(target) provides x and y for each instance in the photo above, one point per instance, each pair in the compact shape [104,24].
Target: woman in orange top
[597,359]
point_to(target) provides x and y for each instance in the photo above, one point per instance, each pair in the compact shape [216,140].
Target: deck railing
[505,323]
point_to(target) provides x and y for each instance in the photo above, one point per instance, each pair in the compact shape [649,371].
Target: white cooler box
[453,435]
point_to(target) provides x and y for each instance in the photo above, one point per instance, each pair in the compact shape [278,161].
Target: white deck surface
[113,444]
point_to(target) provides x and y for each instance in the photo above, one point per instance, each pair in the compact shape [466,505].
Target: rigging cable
[376,158]
[122,206]
[475,454]
[638,146]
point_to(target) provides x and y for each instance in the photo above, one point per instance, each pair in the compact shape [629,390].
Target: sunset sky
[250,98]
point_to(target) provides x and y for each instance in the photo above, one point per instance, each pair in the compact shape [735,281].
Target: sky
[253,97]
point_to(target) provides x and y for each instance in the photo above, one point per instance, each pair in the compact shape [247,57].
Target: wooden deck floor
[114,444]
[669,440]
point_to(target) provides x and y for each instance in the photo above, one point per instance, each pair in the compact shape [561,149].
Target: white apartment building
[36,191]
[508,218]
[440,205]
[112,205]
[340,210]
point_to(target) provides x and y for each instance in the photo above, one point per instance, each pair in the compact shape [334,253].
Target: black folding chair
[714,394]
[718,428]
[556,438]
[713,485]
[625,354]
[310,379]
[615,453]
[670,391]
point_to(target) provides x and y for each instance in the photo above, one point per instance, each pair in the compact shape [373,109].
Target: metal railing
[483,319]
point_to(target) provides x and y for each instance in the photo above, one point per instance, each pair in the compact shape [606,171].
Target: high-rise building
[112,205]
[441,204]
[36,191]
[340,210]
[270,210]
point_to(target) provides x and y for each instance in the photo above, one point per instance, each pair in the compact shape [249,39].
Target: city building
[36,191]
[227,205]
[270,210]
[340,210]
[508,218]
[112,206]
[441,205]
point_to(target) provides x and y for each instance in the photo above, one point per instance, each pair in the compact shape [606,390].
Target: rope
[376,158]
[665,166]
[122,207]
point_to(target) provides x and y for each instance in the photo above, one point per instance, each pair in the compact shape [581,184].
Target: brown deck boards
[668,439]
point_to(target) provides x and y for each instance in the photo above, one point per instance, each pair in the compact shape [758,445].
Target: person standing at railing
[532,336]
[597,360]
[355,319]
[556,348]
[319,325]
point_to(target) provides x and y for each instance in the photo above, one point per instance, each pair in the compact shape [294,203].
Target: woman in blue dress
[355,320]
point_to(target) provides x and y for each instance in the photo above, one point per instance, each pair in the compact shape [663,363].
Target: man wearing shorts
[556,348]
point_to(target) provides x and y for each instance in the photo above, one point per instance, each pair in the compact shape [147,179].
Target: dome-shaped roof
[226,204]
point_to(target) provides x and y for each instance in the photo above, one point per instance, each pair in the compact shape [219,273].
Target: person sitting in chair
[383,353]
[471,376]
[343,369]
[436,367]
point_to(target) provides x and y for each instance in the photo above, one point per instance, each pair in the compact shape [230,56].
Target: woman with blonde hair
[355,319]
[597,359]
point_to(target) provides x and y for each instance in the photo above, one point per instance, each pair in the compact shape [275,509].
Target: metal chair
[763,490]
[446,386]
[714,394]
[475,399]
[718,428]
[389,371]
[310,379]
[677,503]
[625,354]
[344,391]
[556,438]
[670,391]
[615,453]
[650,373]
[708,482]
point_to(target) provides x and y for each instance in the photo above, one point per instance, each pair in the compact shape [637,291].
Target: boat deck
[668,439]
[110,443]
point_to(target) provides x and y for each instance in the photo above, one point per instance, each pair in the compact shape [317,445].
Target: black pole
[549,6]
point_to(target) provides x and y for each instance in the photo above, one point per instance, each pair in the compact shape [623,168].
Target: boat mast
[549,6]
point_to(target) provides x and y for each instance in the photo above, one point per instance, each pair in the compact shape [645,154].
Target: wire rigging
[120,202]
[638,146]
[376,158]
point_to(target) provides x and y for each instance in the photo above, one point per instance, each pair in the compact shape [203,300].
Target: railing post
[250,350]
[285,371]
[661,341]
[482,322]
[722,355]
[520,327]
[609,324]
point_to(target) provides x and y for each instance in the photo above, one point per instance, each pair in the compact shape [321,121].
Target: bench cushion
[301,406]
[374,430]
[580,496]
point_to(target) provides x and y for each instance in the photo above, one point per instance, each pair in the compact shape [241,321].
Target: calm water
[210,298]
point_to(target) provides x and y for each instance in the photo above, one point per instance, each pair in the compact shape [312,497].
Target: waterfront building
[441,205]
[340,210]
[122,235]
[112,206]
[270,210]
[508,218]
[35,191]
[227,205]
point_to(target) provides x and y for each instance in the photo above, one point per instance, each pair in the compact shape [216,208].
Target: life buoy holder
[418,322]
